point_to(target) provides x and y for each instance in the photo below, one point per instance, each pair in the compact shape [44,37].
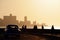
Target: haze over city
[42,11]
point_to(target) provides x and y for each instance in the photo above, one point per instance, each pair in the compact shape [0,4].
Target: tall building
[10,20]
[25,18]
[25,22]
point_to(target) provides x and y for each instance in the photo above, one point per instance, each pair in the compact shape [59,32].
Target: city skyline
[10,19]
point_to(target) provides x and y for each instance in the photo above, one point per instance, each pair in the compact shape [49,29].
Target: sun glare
[47,11]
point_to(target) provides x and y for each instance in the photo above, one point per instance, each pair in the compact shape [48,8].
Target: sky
[42,11]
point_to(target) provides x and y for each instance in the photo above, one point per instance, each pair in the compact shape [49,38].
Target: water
[39,27]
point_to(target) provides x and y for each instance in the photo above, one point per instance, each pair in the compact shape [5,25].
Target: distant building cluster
[12,20]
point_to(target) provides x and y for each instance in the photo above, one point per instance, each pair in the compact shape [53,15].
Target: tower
[10,14]
[25,18]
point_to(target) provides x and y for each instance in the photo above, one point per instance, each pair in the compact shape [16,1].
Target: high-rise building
[25,22]
[25,18]
[10,20]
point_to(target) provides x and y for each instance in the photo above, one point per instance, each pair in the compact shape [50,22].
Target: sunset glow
[43,11]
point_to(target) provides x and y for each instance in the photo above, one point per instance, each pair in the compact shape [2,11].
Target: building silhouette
[25,22]
[8,20]
[12,20]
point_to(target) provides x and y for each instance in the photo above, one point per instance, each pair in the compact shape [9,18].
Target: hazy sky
[43,11]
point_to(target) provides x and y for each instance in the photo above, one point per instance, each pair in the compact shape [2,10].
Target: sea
[38,27]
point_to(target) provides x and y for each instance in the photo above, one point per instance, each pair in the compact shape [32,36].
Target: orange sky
[43,11]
